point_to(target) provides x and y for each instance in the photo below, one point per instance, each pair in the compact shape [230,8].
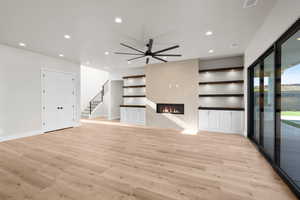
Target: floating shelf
[220,108]
[221,95]
[133,106]
[241,68]
[135,76]
[221,82]
[133,96]
[135,86]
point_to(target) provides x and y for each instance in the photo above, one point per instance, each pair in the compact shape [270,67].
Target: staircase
[93,103]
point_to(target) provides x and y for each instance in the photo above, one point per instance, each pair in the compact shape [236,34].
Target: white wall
[20,90]
[116,99]
[281,17]
[91,83]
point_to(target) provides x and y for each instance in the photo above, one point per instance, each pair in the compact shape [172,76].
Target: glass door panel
[269,109]
[256,102]
[290,108]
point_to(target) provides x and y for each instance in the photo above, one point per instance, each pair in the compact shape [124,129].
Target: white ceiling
[42,24]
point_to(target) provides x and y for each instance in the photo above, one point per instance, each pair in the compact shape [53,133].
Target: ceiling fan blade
[125,45]
[135,54]
[136,58]
[150,45]
[168,55]
[157,58]
[147,61]
[167,49]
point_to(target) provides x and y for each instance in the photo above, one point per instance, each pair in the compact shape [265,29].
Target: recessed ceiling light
[61,55]
[211,51]
[106,53]
[165,57]
[298,38]
[67,36]
[250,3]
[208,33]
[118,20]
[234,45]
[128,62]
[22,44]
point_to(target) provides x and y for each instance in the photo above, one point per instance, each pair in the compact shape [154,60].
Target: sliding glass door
[290,108]
[269,104]
[256,102]
[274,107]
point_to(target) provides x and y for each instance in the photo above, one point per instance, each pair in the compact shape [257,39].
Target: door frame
[73,74]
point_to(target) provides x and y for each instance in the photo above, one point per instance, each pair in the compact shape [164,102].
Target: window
[290,108]
[256,96]
[269,104]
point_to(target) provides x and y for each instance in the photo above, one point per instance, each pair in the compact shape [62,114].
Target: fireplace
[170,108]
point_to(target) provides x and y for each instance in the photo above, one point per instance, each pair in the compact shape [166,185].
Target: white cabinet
[131,115]
[221,121]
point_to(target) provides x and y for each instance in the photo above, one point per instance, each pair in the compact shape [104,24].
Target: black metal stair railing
[98,98]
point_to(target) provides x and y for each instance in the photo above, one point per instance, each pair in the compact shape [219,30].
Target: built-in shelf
[222,69]
[221,95]
[221,82]
[135,76]
[135,86]
[220,108]
[133,106]
[133,96]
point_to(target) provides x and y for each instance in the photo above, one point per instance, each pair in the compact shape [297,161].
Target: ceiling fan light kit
[149,54]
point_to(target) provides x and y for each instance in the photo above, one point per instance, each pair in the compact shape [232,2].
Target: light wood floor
[106,161]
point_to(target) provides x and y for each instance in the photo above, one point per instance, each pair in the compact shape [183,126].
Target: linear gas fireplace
[170,108]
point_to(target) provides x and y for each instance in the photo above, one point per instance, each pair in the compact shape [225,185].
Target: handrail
[99,93]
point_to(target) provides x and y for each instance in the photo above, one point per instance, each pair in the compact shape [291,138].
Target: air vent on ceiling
[250,3]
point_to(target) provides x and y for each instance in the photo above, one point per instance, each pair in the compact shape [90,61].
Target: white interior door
[58,100]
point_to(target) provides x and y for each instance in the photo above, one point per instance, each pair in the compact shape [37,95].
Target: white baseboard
[223,131]
[21,135]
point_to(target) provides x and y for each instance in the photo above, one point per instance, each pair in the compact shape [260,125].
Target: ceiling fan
[155,55]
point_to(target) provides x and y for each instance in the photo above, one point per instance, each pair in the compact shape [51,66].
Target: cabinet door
[203,119]
[137,115]
[131,115]
[123,114]
[237,121]
[142,116]
[225,121]
[214,118]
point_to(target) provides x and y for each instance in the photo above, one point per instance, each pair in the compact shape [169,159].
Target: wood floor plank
[111,161]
